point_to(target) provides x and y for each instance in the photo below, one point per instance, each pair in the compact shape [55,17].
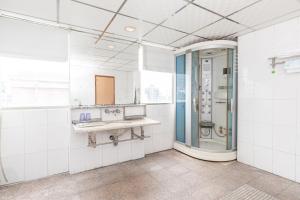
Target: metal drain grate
[249,193]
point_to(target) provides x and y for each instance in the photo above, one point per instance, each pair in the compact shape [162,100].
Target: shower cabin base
[205,154]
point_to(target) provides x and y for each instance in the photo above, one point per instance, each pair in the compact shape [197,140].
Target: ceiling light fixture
[129,28]
[111,46]
[158,45]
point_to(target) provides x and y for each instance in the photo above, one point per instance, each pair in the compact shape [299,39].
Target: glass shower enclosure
[206,94]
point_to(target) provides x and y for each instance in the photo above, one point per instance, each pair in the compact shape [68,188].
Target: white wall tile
[13,167]
[245,152]
[35,138]
[263,158]
[85,158]
[58,136]
[262,111]
[263,89]
[263,135]
[12,118]
[35,165]
[284,138]
[109,154]
[245,108]
[58,161]
[149,144]
[78,140]
[58,117]
[124,151]
[246,131]
[284,112]
[12,141]
[35,117]
[137,149]
[298,169]
[284,164]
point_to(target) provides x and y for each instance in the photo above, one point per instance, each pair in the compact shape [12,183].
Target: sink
[91,124]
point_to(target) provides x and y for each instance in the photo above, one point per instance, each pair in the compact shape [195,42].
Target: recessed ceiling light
[129,28]
[111,46]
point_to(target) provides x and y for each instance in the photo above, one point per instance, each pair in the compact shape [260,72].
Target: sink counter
[106,126]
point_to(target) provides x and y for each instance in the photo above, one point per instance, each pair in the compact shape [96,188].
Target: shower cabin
[206,94]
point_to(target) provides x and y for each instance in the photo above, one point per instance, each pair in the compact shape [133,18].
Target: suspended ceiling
[174,23]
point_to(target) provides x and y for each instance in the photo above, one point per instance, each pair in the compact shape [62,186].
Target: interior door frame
[114,92]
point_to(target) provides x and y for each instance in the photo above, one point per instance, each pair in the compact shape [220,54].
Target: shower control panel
[206,90]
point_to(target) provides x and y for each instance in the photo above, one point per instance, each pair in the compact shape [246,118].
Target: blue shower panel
[180,98]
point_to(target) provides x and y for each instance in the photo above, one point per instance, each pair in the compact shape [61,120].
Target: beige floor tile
[270,184]
[291,193]
[167,175]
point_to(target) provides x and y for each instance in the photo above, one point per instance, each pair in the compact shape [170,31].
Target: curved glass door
[180,98]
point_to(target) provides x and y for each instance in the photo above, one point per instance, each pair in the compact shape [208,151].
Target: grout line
[111,20]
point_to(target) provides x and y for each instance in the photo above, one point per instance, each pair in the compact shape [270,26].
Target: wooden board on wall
[104,89]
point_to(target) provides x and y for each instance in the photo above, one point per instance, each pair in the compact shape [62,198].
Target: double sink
[99,123]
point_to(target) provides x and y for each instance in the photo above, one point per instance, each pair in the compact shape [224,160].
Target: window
[28,82]
[156,87]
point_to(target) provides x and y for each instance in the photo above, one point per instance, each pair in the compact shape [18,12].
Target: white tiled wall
[269,104]
[35,142]
[161,138]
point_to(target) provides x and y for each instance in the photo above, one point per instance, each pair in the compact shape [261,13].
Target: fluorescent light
[130,28]
[158,45]
[12,15]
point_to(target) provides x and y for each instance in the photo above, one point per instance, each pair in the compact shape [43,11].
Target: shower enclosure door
[195,100]
[231,99]
[180,98]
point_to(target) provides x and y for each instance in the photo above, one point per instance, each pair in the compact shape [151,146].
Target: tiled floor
[167,175]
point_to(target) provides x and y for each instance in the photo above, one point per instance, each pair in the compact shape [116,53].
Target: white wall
[269,104]
[34,143]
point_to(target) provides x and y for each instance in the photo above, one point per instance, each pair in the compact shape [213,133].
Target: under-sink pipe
[1,163]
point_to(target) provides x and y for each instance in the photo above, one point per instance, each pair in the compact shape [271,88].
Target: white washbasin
[117,127]
[90,124]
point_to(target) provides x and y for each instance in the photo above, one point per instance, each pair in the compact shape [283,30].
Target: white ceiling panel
[45,9]
[111,65]
[163,35]
[224,7]
[130,66]
[152,10]
[116,37]
[102,52]
[132,49]
[90,51]
[278,20]
[127,56]
[120,22]
[187,41]
[81,39]
[191,19]
[112,5]
[85,16]
[266,10]
[119,61]
[84,57]
[111,45]
[220,29]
